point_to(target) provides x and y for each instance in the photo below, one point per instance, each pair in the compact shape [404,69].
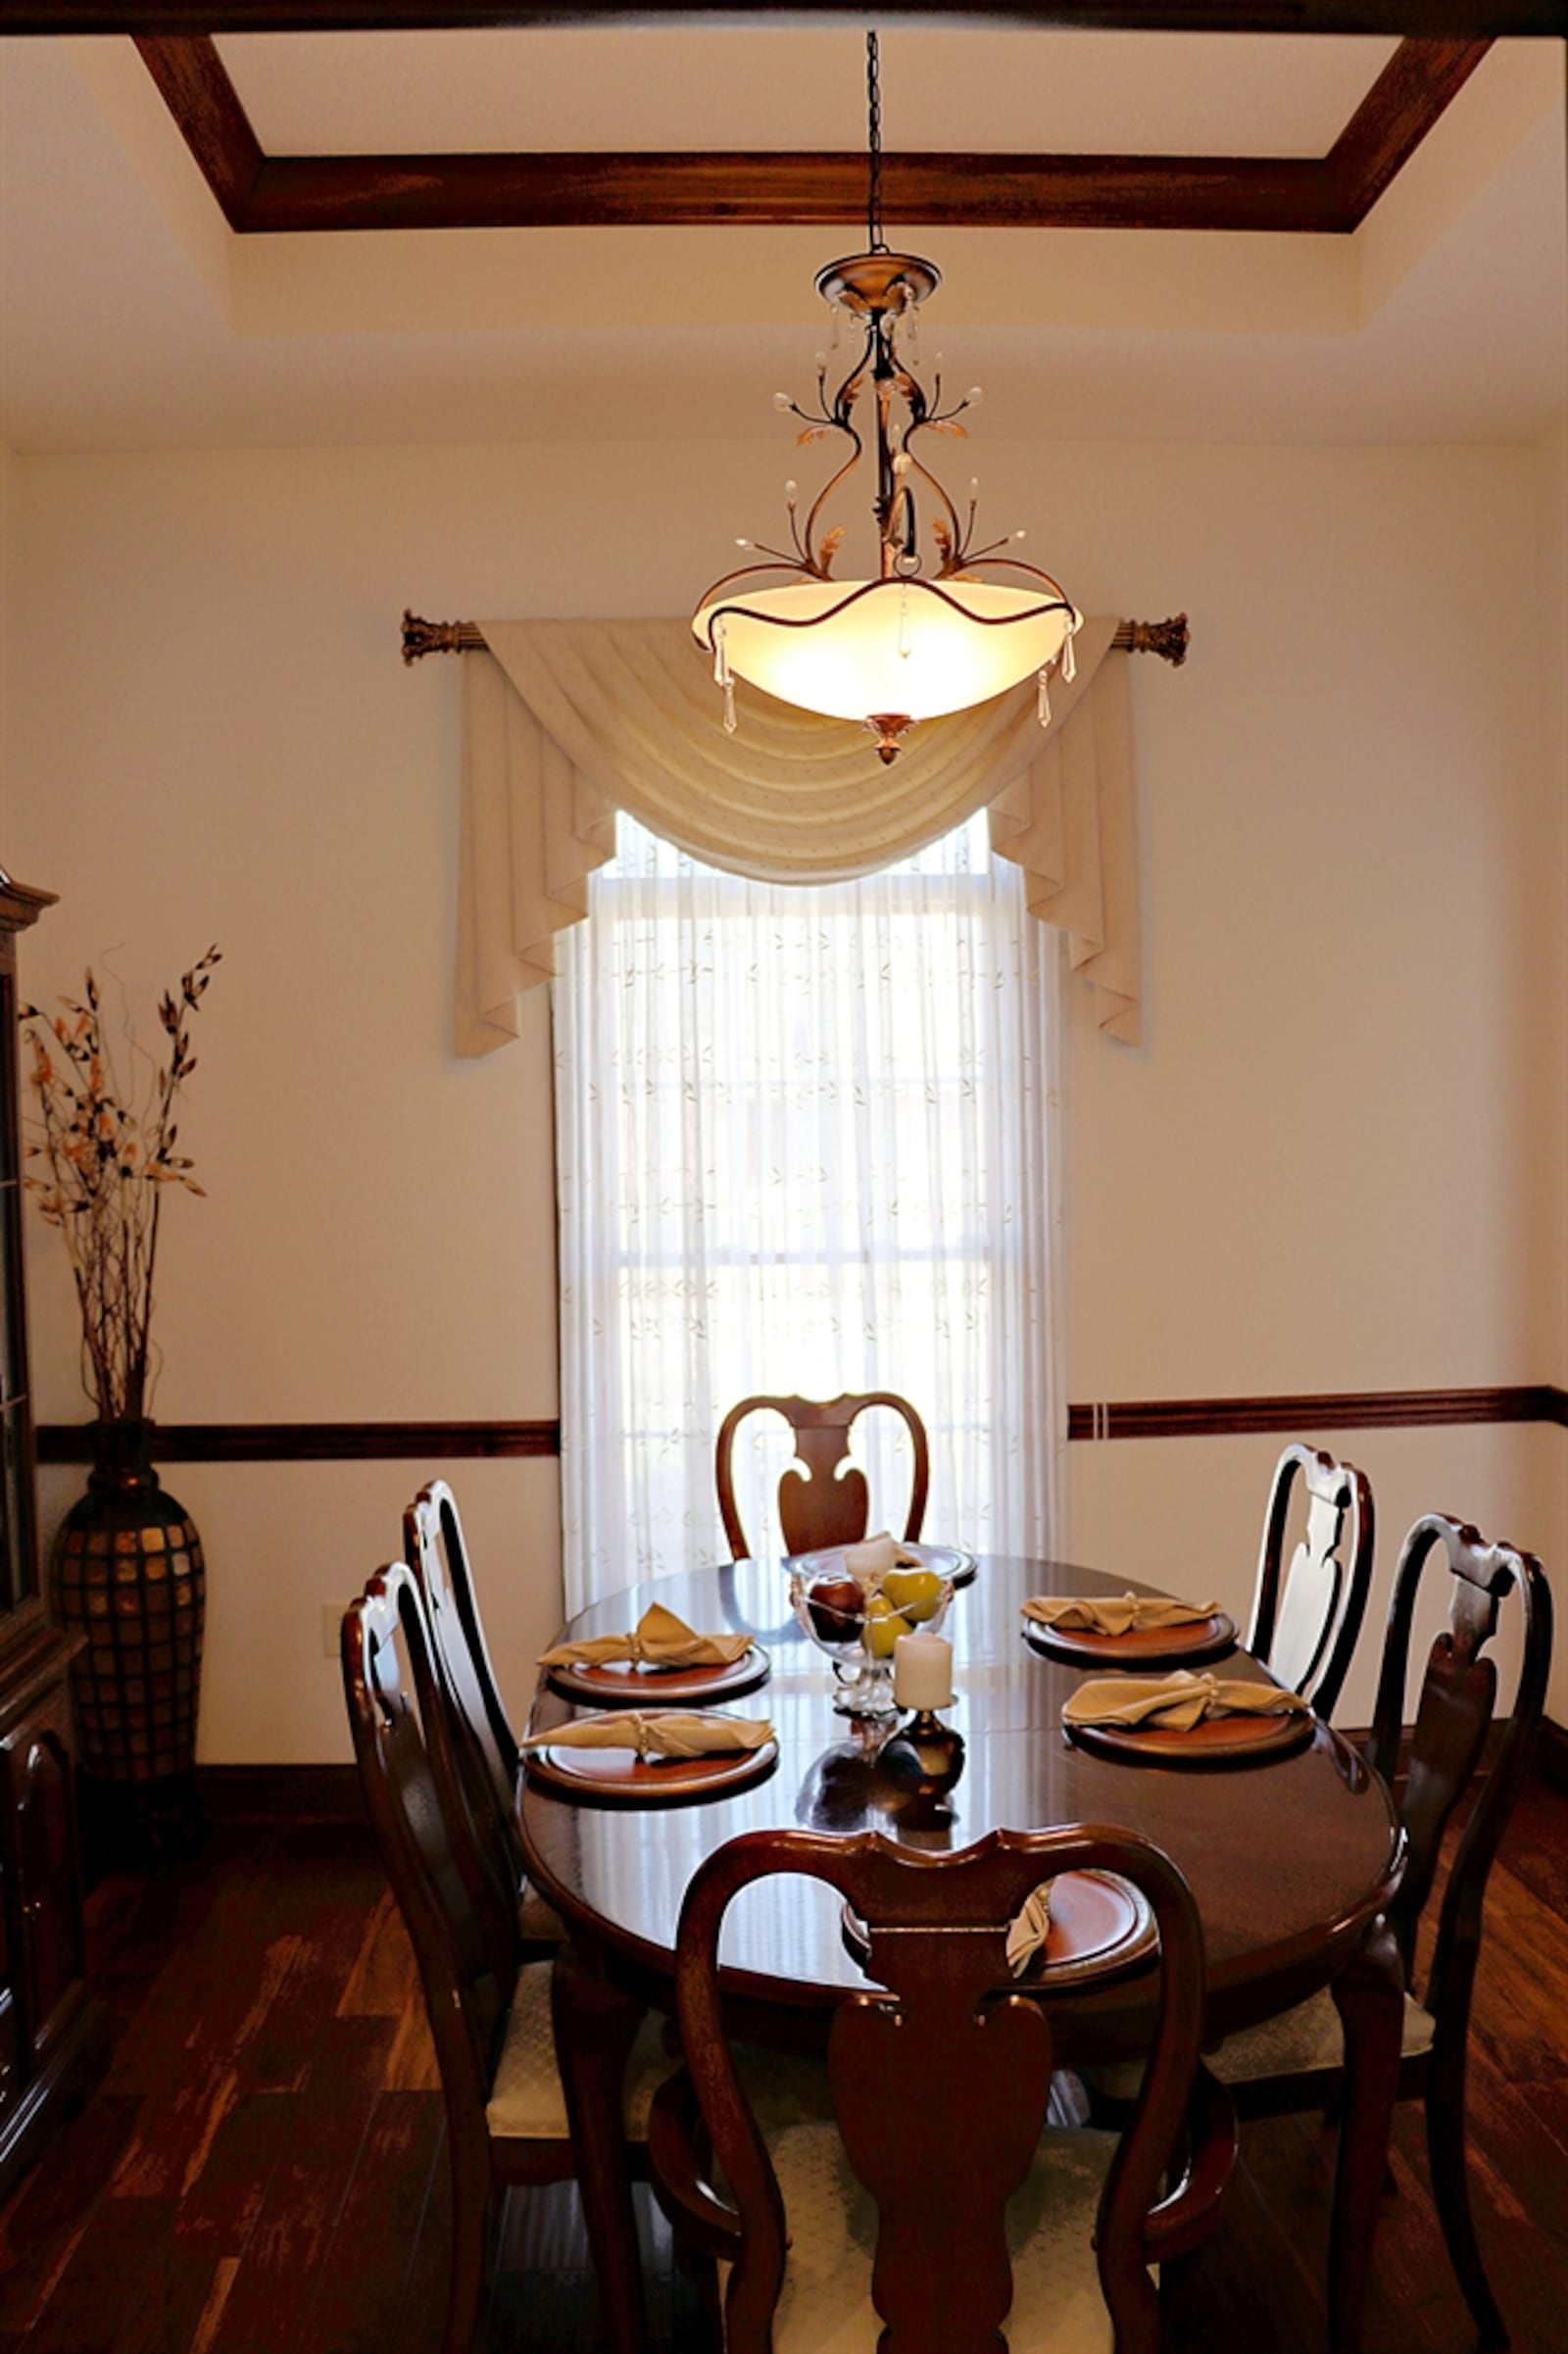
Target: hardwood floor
[263,2172]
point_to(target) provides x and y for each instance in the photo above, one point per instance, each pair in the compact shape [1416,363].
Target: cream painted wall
[1337,1160]
[1333,1164]
[1552,598]
[8,543]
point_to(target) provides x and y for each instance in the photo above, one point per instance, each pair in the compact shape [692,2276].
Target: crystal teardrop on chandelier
[910,643]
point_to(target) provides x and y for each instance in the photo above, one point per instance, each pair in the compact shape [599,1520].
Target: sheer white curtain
[804,1142]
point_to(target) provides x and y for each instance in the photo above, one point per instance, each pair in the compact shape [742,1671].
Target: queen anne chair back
[464,1941]
[1294,2062]
[1452,1719]
[820,1504]
[485,1744]
[1307,1618]
[491,2009]
[940,2078]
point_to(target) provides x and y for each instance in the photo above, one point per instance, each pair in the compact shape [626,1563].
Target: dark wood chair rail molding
[263,194]
[1168,639]
[1423,18]
[1144,1418]
[1315,1411]
[317,1442]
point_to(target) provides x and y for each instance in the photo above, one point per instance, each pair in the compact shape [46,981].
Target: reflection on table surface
[1279,1856]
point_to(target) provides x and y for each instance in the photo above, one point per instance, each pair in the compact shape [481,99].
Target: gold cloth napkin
[1027,1936]
[1113,1614]
[1175,1702]
[672,1733]
[661,1640]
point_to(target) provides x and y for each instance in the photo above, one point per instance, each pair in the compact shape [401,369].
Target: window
[803,1142]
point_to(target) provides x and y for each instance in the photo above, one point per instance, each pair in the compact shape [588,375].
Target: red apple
[836,1605]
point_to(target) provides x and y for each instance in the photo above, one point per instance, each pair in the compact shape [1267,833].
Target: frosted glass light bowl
[852,648]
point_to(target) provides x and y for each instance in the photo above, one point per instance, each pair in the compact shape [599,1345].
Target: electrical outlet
[331,1629]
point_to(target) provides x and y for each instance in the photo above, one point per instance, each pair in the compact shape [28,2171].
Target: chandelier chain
[875,240]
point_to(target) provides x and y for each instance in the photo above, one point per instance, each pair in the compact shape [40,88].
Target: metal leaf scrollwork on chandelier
[913,642]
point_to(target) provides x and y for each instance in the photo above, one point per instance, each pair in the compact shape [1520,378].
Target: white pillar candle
[922,1671]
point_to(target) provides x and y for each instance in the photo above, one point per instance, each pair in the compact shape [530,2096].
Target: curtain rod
[1167,639]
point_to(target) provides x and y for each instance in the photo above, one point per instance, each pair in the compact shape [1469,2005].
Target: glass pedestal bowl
[859,1642]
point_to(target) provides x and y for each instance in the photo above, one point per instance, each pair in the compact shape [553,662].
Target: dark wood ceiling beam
[643,191]
[1328,195]
[206,105]
[1420,80]
[1424,19]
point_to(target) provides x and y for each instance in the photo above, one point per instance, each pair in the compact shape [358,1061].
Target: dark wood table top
[1289,1860]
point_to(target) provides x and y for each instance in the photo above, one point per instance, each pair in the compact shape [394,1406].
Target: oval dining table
[1292,1860]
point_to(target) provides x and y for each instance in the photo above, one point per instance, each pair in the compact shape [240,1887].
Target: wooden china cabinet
[52,2032]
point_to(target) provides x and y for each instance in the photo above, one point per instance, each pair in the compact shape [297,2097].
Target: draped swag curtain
[565,723]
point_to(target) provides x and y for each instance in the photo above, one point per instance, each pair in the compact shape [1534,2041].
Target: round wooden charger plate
[949,1561]
[620,1778]
[632,1683]
[1100,1923]
[1214,1740]
[1141,1648]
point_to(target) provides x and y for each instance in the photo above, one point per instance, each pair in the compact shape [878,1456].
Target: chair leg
[1369,1996]
[471,2241]
[1180,2314]
[702,2274]
[596,2025]
[1450,2190]
[1106,2113]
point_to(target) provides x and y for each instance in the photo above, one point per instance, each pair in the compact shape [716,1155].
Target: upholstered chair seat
[1307,2038]
[1304,2041]
[528,2102]
[825,2305]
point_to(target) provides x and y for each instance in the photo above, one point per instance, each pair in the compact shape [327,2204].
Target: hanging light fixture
[911,643]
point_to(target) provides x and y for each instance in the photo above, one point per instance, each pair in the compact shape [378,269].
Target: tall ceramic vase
[128,1576]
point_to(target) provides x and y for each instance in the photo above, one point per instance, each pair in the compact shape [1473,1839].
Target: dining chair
[820,1505]
[484,1745]
[935,2200]
[1293,2062]
[490,2009]
[1306,1619]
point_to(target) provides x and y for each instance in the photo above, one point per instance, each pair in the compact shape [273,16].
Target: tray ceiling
[636,126]
[132,316]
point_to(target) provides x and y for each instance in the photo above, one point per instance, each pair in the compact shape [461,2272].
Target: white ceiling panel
[637,87]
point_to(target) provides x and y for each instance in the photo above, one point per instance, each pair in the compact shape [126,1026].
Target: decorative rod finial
[420,637]
[1167,639]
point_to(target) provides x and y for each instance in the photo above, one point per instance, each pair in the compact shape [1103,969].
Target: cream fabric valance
[564,723]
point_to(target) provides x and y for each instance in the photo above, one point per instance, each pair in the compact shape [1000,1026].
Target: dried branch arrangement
[111,1153]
